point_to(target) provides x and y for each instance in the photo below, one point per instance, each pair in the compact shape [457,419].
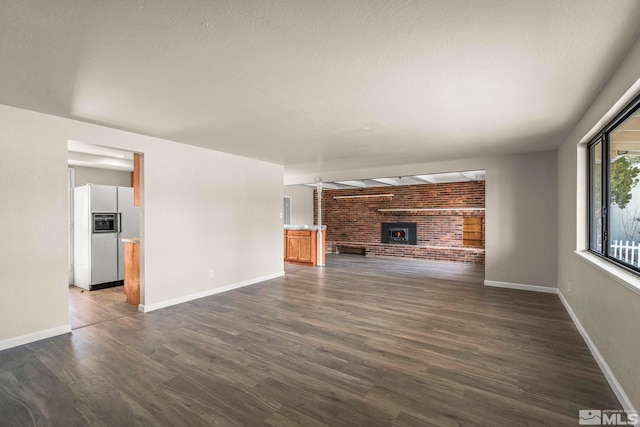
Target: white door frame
[71,180]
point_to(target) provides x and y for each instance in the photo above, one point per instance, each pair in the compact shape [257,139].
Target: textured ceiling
[319,86]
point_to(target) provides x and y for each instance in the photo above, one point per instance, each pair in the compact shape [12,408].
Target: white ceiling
[319,86]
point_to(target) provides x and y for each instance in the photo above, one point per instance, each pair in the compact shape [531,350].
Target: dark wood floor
[88,308]
[362,342]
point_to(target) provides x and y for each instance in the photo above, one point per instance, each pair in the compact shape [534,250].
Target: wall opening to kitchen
[105,222]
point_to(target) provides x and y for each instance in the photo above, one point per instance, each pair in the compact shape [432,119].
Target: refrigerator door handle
[119,222]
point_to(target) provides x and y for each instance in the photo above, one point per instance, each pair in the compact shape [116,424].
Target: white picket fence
[626,251]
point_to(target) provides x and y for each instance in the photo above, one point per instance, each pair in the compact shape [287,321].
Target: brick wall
[357,222]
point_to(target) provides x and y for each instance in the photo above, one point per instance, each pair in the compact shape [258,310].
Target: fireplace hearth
[399,233]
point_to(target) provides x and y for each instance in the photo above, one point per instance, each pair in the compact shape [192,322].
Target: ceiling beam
[425,178]
[358,184]
[326,185]
[468,176]
[387,181]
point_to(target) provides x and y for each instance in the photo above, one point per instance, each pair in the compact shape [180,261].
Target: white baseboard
[168,303]
[35,336]
[604,367]
[532,288]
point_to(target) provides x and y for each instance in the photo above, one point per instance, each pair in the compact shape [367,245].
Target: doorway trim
[71,183]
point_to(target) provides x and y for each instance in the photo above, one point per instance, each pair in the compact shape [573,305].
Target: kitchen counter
[301,243]
[305,227]
[135,240]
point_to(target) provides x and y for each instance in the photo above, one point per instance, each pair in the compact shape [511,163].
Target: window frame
[603,137]
[591,223]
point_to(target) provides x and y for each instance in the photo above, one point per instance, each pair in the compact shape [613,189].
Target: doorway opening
[104,220]
[438,218]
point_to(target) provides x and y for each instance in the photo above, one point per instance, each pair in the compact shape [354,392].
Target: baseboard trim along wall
[35,336]
[604,367]
[187,298]
[533,288]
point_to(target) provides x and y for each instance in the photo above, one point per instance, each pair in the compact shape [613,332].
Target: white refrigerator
[103,215]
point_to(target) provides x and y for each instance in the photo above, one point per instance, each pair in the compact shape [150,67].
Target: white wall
[607,309]
[192,199]
[521,219]
[223,213]
[521,211]
[99,176]
[301,203]
[33,226]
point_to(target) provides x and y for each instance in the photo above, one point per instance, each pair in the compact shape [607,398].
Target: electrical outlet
[569,286]
[210,274]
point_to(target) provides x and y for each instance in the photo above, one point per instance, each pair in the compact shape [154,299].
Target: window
[286,210]
[614,190]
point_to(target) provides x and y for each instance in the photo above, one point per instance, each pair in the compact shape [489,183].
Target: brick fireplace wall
[354,224]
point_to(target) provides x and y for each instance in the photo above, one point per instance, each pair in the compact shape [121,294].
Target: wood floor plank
[361,342]
[87,308]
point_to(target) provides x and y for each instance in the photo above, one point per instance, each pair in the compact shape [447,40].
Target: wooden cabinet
[472,231]
[132,271]
[300,246]
[135,179]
